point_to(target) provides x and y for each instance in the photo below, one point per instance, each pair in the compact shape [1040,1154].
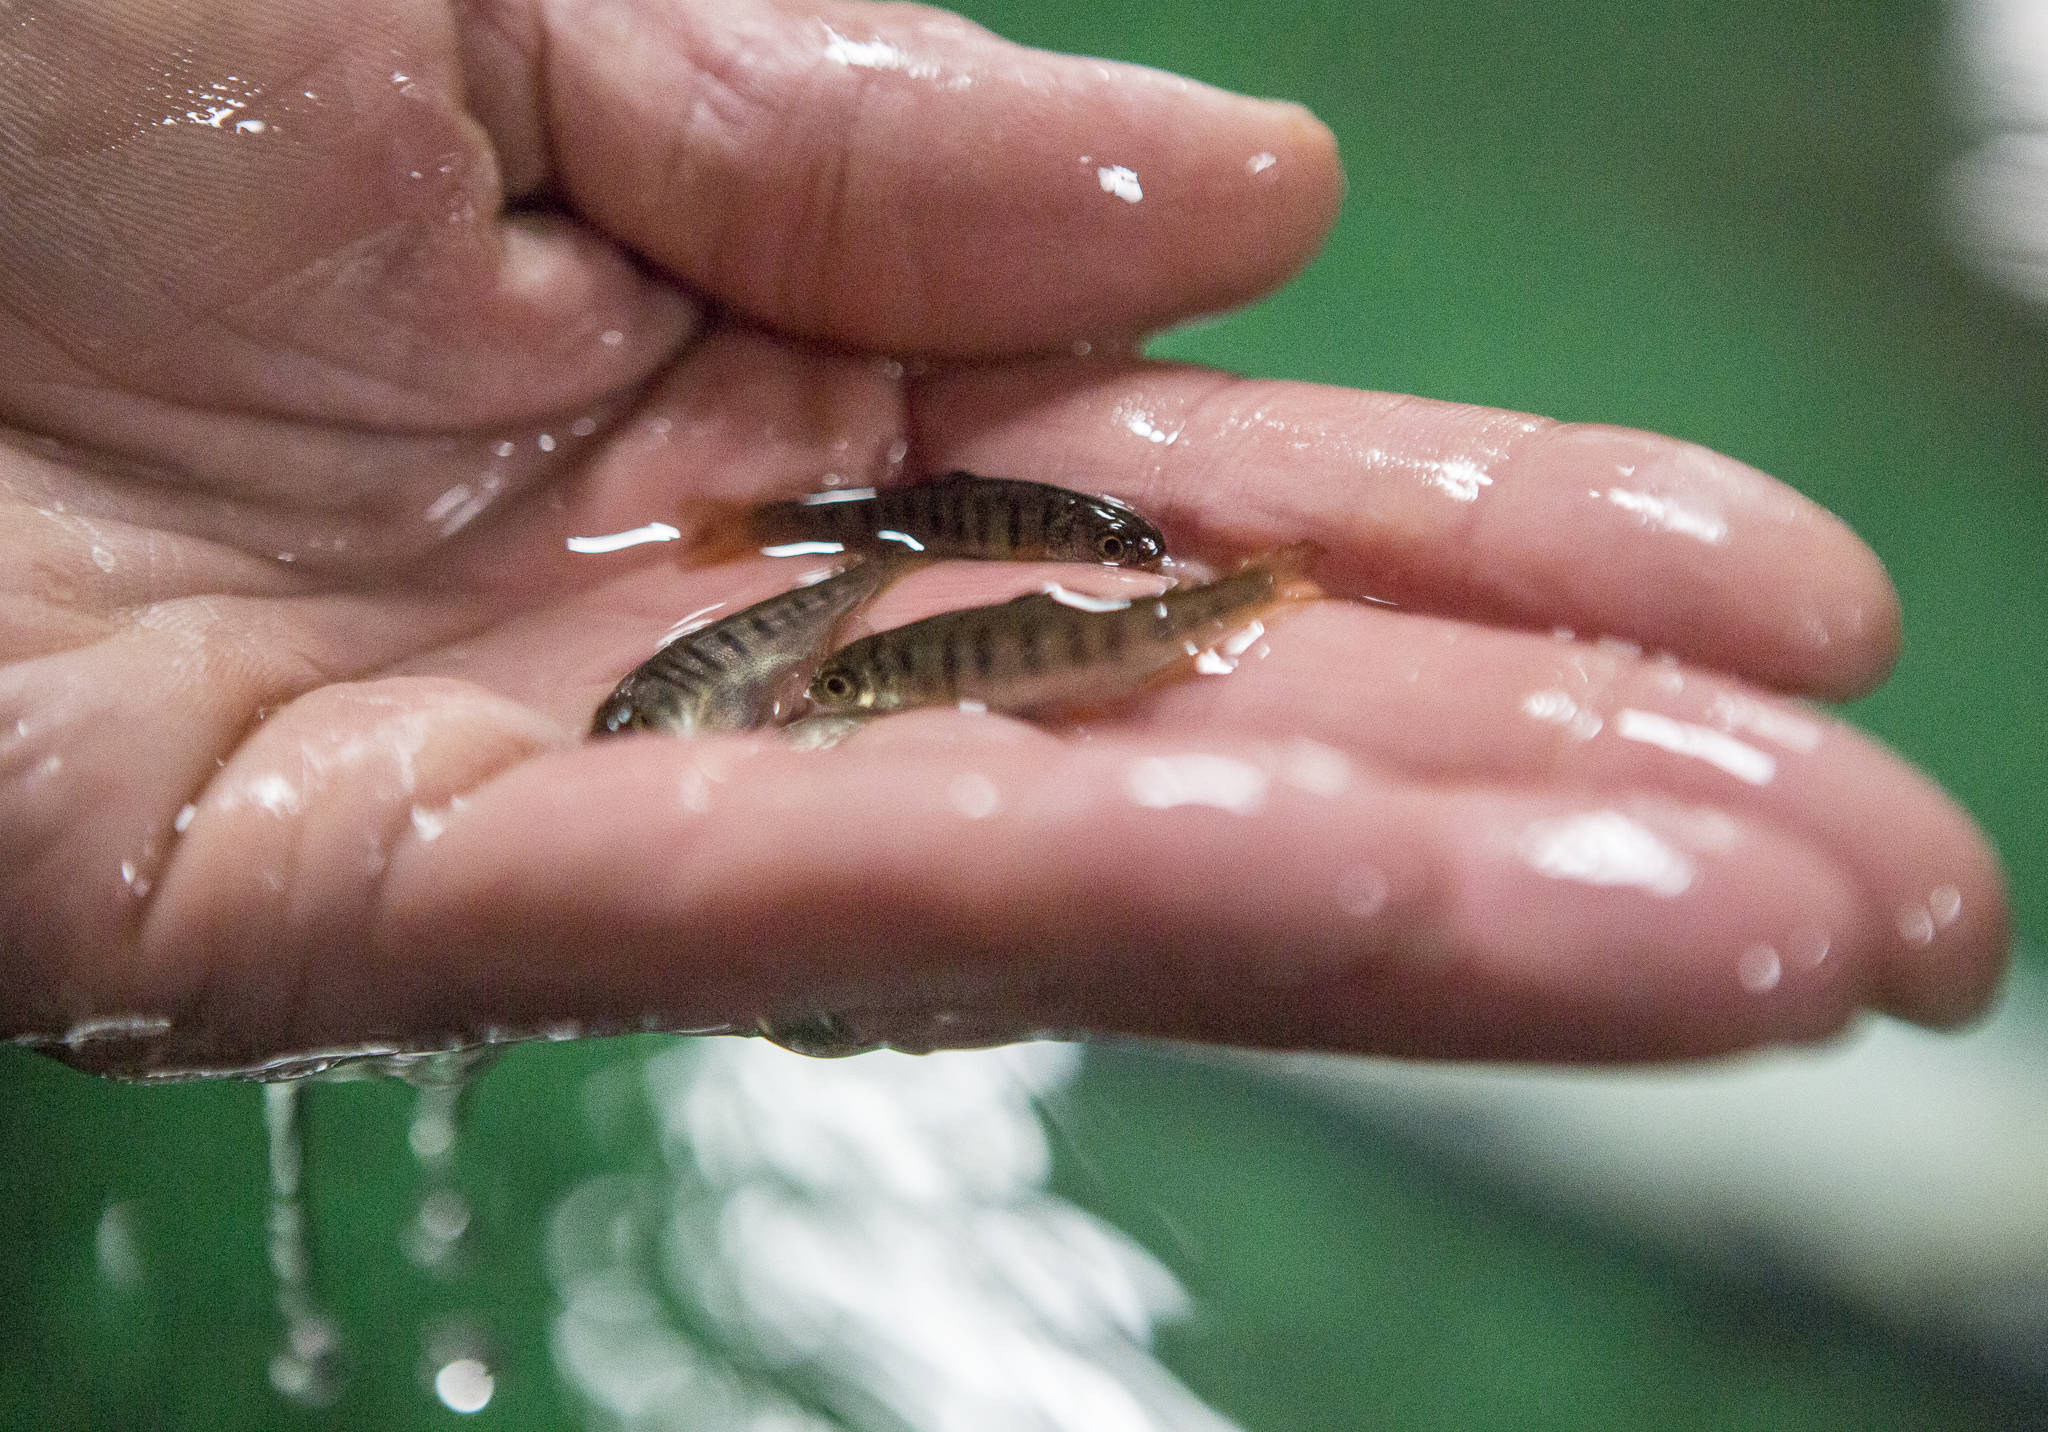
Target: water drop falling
[465,1385]
[433,1239]
[307,1369]
[116,1249]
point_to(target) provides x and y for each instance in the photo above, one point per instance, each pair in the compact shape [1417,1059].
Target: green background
[1722,221]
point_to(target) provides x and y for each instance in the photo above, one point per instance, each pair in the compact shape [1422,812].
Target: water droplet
[819,733]
[430,1139]
[184,818]
[974,795]
[1197,779]
[611,338]
[545,442]
[444,1213]
[1461,478]
[1362,891]
[1145,425]
[115,1247]
[633,537]
[1916,926]
[817,1035]
[1116,179]
[1313,767]
[430,1240]
[1807,947]
[460,505]
[583,427]
[1759,969]
[1666,515]
[1259,163]
[1945,904]
[1606,848]
[1557,708]
[301,1380]
[465,1385]
[103,558]
[694,789]
[306,1370]
[1701,743]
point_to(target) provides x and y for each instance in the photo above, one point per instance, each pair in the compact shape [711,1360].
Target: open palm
[321,337]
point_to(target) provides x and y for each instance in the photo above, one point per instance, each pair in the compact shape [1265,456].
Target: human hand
[302,417]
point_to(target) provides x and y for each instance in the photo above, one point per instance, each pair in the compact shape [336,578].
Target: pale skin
[299,419]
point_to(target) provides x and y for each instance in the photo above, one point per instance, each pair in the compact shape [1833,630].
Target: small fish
[1052,648]
[729,675]
[961,515]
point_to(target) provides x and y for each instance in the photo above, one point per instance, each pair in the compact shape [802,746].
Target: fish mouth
[612,718]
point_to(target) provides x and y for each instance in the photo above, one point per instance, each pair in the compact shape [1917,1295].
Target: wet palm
[301,418]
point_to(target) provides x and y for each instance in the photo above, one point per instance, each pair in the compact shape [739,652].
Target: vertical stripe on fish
[1046,649]
[729,676]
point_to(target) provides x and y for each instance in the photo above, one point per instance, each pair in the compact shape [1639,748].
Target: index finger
[891,176]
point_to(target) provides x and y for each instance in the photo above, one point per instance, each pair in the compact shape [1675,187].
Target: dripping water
[442,1081]
[307,1369]
[458,1363]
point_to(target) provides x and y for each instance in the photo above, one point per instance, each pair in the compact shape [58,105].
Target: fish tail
[716,529]
[1291,566]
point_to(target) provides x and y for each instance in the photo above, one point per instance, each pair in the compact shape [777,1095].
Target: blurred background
[1809,235]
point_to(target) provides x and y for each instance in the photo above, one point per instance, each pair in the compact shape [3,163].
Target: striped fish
[962,515]
[730,675]
[1052,648]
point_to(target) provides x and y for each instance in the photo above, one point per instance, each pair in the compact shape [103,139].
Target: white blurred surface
[2001,183]
[1903,1171]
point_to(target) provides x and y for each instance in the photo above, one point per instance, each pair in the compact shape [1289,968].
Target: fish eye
[835,686]
[1111,546]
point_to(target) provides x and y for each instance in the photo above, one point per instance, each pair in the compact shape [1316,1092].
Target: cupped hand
[324,328]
